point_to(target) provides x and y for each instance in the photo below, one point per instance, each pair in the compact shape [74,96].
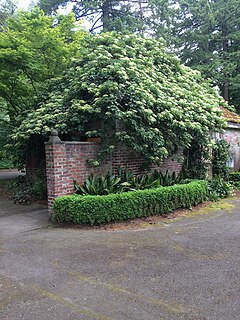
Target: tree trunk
[225,90]
[106,14]
[225,86]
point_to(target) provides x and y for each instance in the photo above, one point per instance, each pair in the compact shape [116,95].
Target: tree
[32,51]
[206,35]
[34,48]
[7,9]
[110,15]
[126,88]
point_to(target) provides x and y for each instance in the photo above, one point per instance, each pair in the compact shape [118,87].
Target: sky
[25,3]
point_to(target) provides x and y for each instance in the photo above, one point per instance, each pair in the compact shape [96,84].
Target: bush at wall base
[142,203]
[234,179]
[219,188]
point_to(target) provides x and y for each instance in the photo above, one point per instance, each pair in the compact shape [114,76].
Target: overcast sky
[25,3]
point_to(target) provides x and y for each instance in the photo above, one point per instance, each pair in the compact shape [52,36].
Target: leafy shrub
[5,159]
[125,181]
[98,185]
[234,176]
[196,157]
[219,188]
[123,206]
[234,179]
[25,192]
[39,187]
[221,155]
[167,179]
[129,182]
[6,164]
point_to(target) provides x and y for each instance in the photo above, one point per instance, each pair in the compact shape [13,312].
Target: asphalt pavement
[15,218]
[186,268]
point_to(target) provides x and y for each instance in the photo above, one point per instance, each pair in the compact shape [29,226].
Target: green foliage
[234,179]
[219,188]
[124,174]
[31,52]
[5,163]
[126,181]
[157,179]
[34,48]
[25,192]
[196,161]
[221,155]
[7,9]
[118,15]
[234,176]
[167,179]
[98,185]
[5,159]
[128,89]
[123,206]
[205,34]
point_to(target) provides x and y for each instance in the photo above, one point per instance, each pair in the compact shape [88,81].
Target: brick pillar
[58,181]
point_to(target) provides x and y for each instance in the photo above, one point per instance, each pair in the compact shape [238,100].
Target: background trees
[7,9]
[119,15]
[35,49]
[205,34]
[32,51]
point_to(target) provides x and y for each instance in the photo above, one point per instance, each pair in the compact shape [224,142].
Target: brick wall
[67,161]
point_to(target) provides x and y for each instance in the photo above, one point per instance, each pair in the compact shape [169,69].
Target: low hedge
[123,206]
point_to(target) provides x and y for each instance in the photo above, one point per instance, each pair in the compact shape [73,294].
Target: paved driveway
[186,269]
[14,218]
[10,174]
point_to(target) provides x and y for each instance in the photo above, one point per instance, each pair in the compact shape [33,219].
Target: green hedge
[123,206]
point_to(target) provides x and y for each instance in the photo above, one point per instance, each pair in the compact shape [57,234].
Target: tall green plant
[221,157]
[126,181]
[197,160]
[95,185]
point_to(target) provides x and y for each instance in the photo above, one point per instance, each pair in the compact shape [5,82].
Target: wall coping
[233,125]
[72,142]
[81,142]
[54,139]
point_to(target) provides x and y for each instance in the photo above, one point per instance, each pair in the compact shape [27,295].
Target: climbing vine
[128,89]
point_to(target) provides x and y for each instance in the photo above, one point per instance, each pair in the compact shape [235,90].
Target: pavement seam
[22,232]
[170,307]
[66,302]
